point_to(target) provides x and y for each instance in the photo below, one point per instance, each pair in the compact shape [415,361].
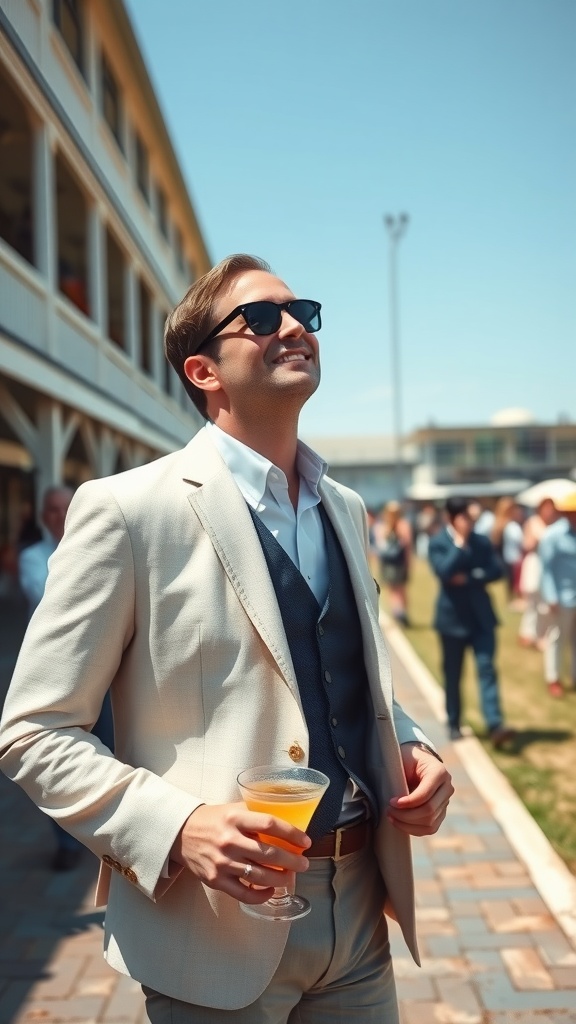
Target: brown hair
[193,318]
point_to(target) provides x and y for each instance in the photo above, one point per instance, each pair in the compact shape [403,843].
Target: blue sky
[298,125]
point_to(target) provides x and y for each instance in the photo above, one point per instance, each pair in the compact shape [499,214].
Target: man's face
[463,524]
[54,512]
[255,369]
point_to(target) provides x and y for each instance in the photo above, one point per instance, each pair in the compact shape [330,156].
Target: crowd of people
[469,545]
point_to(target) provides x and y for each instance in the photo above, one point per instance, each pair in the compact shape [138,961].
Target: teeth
[290,358]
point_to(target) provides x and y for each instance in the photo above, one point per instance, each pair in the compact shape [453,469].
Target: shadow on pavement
[39,907]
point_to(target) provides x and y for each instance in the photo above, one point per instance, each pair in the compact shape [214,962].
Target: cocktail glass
[292,794]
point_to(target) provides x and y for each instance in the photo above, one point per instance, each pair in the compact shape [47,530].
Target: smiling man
[223,594]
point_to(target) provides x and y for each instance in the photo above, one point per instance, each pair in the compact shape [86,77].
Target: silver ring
[247,871]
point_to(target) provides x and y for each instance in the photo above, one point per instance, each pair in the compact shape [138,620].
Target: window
[531,446]
[489,451]
[115,280]
[162,207]
[16,190]
[111,100]
[72,237]
[68,21]
[145,328]
[449,453]
[142,169]
[178,250]
[566,450]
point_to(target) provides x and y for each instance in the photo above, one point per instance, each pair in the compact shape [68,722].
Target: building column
[45,226]
[132,314]
[49,447]
[97,269]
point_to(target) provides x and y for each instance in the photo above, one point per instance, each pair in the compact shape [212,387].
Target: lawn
[542,764]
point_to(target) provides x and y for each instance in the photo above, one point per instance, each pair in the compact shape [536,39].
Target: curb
[551,877]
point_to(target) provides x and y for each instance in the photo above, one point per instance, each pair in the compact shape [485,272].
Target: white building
[98,240]
[368,465]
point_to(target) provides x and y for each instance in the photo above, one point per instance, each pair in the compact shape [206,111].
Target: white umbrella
[547,489]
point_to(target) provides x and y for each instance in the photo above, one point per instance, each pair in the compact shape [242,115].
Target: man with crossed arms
[222,593]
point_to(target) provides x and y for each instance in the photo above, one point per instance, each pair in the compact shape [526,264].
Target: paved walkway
[493,953]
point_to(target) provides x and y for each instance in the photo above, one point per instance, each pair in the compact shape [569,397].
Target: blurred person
[33,567]
[427,524]
[482,518]
[393,543]
[464,563]
[223,593]
[512,554]
[557,550]
[534,621]
[33,560]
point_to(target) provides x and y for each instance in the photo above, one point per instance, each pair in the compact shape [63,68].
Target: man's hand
[458,580]
[217,842]
[421,812]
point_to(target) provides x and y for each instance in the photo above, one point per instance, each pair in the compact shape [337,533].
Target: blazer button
[295,752]
[130,875]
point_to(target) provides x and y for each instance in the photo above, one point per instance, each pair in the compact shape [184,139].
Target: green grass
[542,765]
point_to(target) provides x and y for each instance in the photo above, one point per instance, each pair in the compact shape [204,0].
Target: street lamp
[396,228]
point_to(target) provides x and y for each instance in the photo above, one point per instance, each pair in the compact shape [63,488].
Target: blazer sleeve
[446,559]
[71,652]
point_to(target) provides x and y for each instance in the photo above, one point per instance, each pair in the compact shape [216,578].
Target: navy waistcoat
[327,654]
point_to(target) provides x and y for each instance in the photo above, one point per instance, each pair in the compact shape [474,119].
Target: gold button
[296,752]
[130,875]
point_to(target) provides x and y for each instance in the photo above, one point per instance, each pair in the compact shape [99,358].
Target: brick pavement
[492,951]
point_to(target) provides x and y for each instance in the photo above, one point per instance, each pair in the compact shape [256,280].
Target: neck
[276,442]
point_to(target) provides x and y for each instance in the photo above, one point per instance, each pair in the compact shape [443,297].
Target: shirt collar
[251,470]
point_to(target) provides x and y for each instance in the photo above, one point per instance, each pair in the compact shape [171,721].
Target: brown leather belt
[341,841]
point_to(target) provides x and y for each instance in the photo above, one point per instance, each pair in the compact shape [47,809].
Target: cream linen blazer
[159,590]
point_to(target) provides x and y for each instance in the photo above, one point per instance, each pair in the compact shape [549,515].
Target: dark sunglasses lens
[262,317]
[306,313]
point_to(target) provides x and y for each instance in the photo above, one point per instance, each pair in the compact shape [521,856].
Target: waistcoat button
[295,752]
[320,630]
[327,676]
[334,722]
[341,751]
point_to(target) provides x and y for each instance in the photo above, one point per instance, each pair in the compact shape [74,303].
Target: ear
[201,372]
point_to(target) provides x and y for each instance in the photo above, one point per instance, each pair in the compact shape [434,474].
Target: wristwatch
[423,746]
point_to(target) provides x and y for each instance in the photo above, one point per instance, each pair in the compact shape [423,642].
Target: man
[557,550]
[224,594]
[33,560]
[33,574]
[465,562]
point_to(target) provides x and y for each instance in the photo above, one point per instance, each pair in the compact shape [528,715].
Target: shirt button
[327,676]
[334,722]
[295,752]
[341,751]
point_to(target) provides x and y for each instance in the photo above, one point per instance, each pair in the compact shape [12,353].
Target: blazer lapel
[223,514]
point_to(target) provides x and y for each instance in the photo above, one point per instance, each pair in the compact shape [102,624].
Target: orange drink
[292,794]
[294,802]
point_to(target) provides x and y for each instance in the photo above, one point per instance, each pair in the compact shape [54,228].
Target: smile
[292,357]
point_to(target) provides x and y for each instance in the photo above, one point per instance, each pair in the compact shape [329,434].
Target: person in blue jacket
[465,562]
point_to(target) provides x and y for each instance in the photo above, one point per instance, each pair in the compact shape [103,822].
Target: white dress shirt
[265,488]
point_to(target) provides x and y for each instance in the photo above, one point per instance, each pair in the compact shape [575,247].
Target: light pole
[396,228]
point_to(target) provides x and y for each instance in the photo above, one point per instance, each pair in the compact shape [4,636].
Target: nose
[290,327]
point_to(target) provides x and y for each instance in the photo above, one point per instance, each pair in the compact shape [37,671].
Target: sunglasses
[265,317]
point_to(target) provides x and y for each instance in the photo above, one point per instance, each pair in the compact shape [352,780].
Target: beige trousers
[336,968]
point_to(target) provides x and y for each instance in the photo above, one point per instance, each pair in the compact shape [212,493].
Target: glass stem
[281,895]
